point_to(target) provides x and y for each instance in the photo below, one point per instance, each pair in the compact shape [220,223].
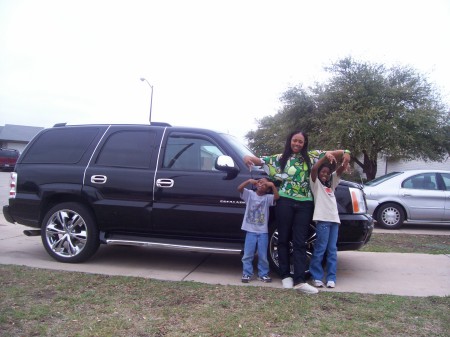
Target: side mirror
[226,164]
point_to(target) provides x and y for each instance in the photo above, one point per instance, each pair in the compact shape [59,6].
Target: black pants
[293,220]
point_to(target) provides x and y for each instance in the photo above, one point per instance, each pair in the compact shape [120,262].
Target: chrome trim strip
[157,163]
[172,246]
[93,152]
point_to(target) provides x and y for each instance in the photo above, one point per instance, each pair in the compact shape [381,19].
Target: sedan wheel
[69,233]
[390,216]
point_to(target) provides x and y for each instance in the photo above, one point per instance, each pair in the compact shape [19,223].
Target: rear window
[60,146]
[9,153]
[381,179]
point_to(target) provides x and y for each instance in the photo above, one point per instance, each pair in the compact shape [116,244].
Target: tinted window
[9,153]
[60,146]
[426,181]
[187,152]
[446,178]
[127,149]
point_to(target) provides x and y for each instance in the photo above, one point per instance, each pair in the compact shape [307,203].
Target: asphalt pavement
[358,272]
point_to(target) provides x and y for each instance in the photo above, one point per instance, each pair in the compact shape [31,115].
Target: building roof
[18,133]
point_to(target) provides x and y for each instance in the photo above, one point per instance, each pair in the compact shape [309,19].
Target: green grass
[39,302]
[408,243]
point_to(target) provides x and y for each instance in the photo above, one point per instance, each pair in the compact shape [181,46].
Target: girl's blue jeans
[255,241]
[327,235]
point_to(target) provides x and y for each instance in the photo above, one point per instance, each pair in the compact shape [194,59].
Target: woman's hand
[345,159]
[330,157]
[250,161]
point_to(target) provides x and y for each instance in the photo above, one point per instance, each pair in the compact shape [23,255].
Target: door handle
[164,183]
[98,179]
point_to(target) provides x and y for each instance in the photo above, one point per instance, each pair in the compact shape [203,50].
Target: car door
[423,198]
[192,198]
[119,180]
[446,187]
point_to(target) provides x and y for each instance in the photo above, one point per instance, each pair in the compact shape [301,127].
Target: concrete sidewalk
[358,272]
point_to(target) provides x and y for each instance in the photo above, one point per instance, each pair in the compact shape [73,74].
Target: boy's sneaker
[265,279]
[331,284]
[318,283]
[245,278]
[306,288]
[287,282]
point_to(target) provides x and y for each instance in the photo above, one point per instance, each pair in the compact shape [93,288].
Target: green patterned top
[295,177]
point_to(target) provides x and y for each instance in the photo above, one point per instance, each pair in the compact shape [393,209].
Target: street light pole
[151,100]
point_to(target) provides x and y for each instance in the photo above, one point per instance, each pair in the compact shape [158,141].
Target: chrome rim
[391,216]
[273,248]
[66,233]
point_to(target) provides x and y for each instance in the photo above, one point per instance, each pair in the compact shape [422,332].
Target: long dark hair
[288,150]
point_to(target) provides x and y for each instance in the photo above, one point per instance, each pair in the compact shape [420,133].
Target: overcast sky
[213,64]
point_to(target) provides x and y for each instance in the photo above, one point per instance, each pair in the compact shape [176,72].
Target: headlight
[358,202]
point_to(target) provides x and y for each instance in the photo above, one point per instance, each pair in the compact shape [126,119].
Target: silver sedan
[414,196]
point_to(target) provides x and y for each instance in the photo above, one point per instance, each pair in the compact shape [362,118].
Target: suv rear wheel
[69,233]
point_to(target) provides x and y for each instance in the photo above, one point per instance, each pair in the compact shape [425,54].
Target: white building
[17,136]
[386,165]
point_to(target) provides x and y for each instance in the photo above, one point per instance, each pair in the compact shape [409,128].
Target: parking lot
[360,272]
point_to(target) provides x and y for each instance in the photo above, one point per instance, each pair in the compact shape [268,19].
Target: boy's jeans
[327,234]
[253,240]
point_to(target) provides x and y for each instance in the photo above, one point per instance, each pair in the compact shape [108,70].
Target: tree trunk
[369,167]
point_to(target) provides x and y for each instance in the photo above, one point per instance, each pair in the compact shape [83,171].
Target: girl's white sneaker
[331,284]
[318,283]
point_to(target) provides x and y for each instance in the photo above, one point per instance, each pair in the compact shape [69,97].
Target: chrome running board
[186,245]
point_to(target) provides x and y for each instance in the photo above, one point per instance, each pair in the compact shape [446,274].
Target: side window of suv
[127,149]
[190,153]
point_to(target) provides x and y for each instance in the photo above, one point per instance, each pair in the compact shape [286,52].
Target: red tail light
[13,185]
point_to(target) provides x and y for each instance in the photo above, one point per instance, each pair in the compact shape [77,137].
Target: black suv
[148,185]
[8,159]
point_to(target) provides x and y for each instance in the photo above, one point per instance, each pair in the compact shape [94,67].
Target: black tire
[69,233]
[390,216]
[273,250]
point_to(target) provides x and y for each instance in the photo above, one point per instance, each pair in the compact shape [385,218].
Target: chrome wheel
[66,233]
[69,233]
[273,249]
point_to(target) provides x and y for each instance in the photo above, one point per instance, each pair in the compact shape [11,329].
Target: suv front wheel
[69,233]
[273,250]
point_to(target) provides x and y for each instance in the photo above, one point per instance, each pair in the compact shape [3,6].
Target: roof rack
[160,124]
[153,123]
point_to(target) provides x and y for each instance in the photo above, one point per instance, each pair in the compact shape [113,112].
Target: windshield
[379,180]
[237,146]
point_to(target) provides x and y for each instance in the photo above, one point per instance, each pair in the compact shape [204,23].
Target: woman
[294,209]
